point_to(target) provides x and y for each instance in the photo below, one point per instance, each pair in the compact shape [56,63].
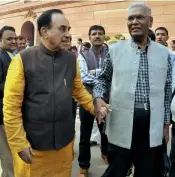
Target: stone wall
[83,14]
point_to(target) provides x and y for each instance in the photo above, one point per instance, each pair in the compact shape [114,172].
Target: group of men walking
[134,77]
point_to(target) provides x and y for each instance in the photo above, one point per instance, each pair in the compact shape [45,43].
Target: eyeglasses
[137,17]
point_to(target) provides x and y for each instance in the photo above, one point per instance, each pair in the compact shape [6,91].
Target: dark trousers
[141,155]
[172,153]
[86,126]
[172,171]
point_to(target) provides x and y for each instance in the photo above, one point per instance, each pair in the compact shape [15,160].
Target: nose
[97,35]
[135,21]
[13,41]
[67,34]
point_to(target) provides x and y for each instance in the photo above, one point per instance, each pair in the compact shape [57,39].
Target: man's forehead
[60,20]
[97,31]
[160,31]
[9,33]
[137,11]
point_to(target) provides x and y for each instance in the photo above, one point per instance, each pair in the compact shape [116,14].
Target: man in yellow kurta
[38,102]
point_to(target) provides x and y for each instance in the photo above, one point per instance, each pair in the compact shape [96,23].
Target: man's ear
[151,22]
[44,32]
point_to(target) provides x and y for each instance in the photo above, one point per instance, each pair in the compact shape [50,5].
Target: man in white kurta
[139,73]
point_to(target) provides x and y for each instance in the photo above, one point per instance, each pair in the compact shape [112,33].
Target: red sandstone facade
[112,15]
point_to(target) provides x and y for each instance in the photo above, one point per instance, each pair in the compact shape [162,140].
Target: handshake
[101,110]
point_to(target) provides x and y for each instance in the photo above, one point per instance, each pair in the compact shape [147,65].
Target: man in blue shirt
[162,37]
[91,62]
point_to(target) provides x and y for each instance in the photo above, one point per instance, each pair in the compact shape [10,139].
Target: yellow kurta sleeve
[12,109]
[80,93]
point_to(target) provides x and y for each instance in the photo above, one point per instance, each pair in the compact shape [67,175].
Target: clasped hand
[101,109]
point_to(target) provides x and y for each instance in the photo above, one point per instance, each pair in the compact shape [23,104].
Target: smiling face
[97,37]
[9,41]
[57,36]
[139,22]
[66,45]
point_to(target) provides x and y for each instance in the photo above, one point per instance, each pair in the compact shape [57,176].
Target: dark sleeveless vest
[47,105]
[93,63]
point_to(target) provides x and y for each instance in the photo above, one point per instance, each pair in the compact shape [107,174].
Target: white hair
[141,4]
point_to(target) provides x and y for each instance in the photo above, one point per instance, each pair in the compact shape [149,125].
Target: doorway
[27,30]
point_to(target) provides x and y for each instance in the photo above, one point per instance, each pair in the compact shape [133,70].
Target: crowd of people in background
[41,87]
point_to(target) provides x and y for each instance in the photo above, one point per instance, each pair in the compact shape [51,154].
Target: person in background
[86,46]
[162,37]
[172,45]
[9,45]
[79,44]
[74,50]
[21,43]
[40,84]
[140,98]
[91,62]
[152,35]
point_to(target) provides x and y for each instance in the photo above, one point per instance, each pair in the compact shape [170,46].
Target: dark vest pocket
[40,135]
[37,85]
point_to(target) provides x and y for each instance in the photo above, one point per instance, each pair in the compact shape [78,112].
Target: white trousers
[95,136]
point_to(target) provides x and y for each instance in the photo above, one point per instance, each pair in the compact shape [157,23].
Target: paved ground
[97,164]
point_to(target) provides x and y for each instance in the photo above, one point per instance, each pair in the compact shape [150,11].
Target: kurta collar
[47,51]
[134,45]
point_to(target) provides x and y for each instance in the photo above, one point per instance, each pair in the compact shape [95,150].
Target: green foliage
[107,38]
[112,42]
[118,36]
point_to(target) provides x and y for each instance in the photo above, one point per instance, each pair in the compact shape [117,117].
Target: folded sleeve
[81,95]
[12,109]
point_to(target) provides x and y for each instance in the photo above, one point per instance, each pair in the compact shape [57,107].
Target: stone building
[22,14]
